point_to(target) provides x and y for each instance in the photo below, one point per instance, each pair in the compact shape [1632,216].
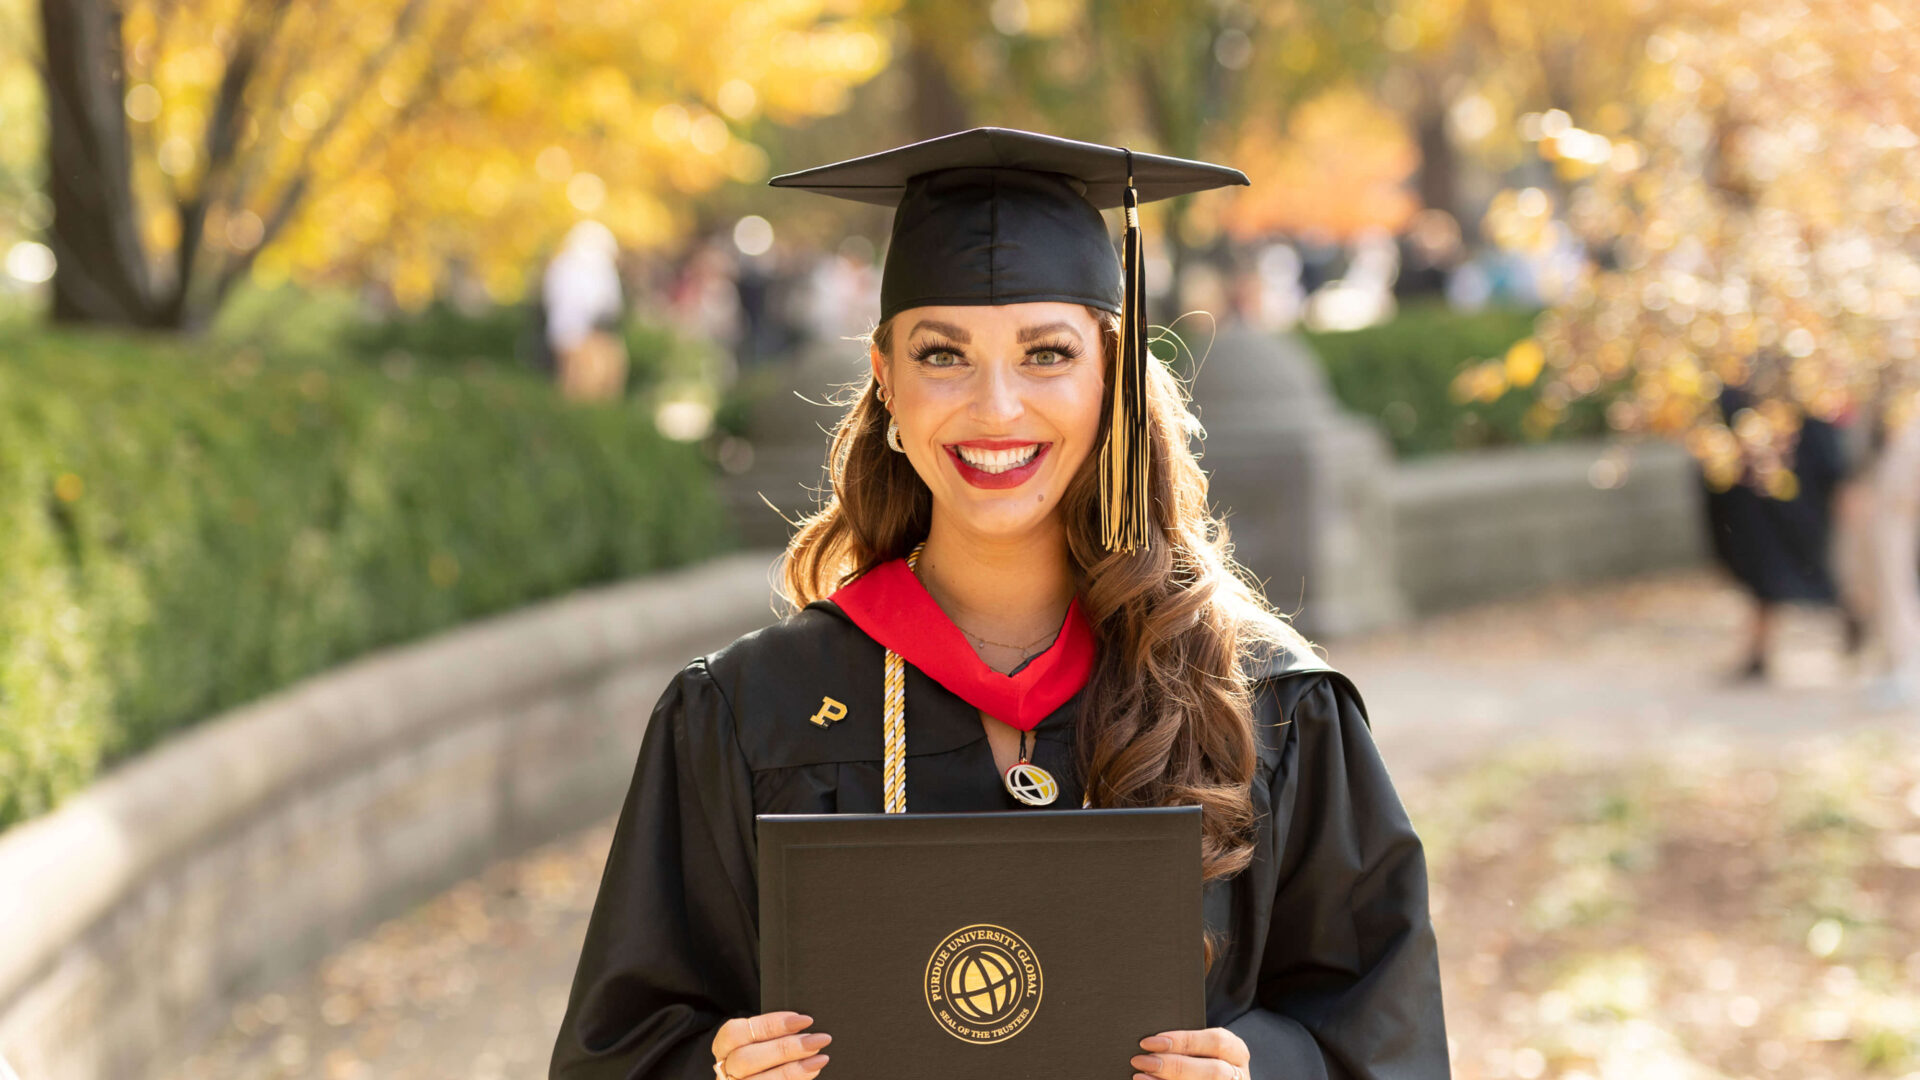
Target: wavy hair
[1167,718]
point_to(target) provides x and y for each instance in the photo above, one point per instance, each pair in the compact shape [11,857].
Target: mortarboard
[998,216]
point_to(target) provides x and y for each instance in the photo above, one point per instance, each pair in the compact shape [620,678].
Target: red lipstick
[1012,478]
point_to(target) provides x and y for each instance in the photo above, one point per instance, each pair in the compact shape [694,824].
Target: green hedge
[186,530]
[325,328]
[1402,371]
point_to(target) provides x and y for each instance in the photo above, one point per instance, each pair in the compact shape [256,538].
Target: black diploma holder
[988,946]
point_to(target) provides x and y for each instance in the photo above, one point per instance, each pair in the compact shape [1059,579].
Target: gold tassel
[1124,461]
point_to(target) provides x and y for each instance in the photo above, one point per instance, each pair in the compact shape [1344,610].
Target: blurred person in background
[1854,549]
[1429,250]
[1895,523]
[1780,550]
[584,309]
[1363,295]
[769,287]
[1322,259]
[705,299]
[836,289]
[1275,298]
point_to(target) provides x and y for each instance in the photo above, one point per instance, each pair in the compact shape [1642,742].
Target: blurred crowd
[762,300]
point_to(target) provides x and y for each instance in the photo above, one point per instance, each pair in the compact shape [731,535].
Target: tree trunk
[937,107]
[1439,168]
[101,274]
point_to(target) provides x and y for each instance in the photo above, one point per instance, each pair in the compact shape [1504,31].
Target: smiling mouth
[997,461]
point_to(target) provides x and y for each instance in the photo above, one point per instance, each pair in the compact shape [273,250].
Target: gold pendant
[1031,784]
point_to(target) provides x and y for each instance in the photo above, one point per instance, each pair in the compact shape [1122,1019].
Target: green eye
[931,357]
[1048,358]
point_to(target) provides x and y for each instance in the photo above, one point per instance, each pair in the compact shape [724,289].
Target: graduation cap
[998,216]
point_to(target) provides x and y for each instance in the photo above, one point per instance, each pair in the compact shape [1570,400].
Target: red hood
[891,605]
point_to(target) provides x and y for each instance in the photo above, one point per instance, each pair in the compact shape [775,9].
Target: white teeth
[998,461]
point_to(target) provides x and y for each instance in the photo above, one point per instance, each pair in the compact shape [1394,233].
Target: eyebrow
[1029,333]
[946,329]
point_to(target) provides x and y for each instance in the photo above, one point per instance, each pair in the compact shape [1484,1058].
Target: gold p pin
[830,710]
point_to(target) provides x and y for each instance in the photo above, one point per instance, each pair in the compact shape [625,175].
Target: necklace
[1025,651]
[1004,645]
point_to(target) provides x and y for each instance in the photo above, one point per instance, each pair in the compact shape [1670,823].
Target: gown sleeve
[1349,984]
[671,947]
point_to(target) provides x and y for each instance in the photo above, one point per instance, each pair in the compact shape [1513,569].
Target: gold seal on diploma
[983,983]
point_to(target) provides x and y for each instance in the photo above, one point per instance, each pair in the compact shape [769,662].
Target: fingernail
[814,1040]
[1156,1042]
[814,1063]
[798,1021]
[1146,1063]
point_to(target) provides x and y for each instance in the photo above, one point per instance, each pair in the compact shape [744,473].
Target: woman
[1018,557]
[1780,549]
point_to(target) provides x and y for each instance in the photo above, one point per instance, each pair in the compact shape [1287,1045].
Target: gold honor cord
[894,775]
[893,770]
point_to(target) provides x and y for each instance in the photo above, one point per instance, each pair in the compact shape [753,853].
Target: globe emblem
[1032,784]
[982,983]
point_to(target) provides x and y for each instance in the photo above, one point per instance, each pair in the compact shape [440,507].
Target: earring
[882,393]
[893,436]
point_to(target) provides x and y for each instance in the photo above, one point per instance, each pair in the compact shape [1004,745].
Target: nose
[997,402]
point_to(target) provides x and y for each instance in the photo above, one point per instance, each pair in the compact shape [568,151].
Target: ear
[878,362]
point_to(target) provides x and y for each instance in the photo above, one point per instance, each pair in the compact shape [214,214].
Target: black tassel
[1123,464]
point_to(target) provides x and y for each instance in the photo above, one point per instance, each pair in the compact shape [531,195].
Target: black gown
[1780,549]
[1328,967]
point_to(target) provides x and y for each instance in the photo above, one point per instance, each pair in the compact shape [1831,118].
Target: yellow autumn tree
[1338,166]
[397,138]
[1758,220]
[23,209]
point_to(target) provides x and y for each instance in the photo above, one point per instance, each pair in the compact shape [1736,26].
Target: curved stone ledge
[1486,524]
[247,847]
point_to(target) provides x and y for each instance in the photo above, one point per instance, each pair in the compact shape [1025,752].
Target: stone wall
[1478,526]
[246,848]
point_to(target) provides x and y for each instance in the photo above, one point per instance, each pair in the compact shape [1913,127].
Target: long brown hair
[1166,719]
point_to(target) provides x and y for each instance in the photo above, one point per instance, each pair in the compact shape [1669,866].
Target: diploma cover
[988,945]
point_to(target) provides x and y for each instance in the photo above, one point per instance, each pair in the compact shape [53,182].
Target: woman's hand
[768,1047]
[1213,1054]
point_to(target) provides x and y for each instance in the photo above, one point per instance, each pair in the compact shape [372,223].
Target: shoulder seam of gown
[1331,676]
[733,724]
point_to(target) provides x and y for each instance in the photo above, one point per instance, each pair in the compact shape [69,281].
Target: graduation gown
[1328,967]
[1781,549]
